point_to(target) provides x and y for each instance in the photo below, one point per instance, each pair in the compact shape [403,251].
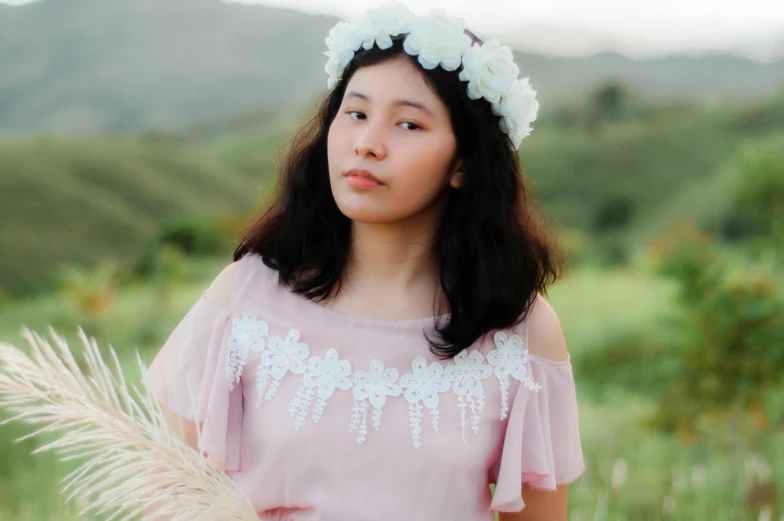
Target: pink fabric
[541,444]
[319,471]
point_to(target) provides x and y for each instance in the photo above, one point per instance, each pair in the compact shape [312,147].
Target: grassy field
[632,473]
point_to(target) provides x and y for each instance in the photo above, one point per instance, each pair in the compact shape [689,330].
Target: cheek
[338,143]
[427,166]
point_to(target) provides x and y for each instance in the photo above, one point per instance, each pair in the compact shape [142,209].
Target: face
[391,146]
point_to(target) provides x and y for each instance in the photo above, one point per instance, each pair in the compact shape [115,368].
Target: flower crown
[438,39]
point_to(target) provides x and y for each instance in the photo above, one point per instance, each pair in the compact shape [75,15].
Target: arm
[545,339]
[540,505]
[219,293]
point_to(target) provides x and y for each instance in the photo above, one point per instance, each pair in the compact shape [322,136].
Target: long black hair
[494,253]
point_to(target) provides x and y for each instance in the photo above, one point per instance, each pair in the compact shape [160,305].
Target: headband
[437,39]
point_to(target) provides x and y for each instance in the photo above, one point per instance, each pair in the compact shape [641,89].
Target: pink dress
[319,415]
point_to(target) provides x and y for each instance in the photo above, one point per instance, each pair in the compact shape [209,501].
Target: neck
[392,270]
[392,256]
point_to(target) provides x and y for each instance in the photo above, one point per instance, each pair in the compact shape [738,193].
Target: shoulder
[220,290]
[545,335]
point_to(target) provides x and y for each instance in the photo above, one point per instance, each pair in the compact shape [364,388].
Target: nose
[371,142]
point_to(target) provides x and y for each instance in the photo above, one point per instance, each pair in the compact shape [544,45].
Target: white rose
[344,39]
[437,40]
[334,68]
[517,109]
[490,71]
[379,25]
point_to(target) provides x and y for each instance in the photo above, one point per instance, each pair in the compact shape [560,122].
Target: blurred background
[137,136]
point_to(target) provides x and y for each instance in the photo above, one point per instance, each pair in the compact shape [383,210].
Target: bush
[758,197]
[186,237]
[613,213]
[194,237]
[732,329]
[632,359]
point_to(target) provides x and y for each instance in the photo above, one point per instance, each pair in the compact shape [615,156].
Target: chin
[370,217]
[364,214]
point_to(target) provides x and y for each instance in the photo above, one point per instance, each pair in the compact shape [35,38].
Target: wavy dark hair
[494,252]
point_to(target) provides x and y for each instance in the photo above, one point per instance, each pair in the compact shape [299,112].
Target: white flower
[468,373]
[343,41]
[437,40]
[379,25]
[285,355]
[376,384]
[425,383]
[510,356]
[247,334]
[328,374]
[518,110]
[490,71]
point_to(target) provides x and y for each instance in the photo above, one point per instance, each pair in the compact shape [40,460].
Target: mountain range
[79,67]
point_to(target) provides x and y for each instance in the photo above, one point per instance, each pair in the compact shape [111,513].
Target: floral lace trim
[421,387]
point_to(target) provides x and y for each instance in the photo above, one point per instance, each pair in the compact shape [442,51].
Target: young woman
[380,349]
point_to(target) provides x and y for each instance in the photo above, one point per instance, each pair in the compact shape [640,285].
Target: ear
[457,176]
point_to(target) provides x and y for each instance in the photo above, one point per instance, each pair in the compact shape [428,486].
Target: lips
[364,175]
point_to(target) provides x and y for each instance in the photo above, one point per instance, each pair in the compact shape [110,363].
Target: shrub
[758,197]
[732,330]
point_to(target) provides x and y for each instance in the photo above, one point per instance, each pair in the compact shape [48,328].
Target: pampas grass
[131,460]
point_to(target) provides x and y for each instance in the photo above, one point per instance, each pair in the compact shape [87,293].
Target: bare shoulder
[545,335]
[219,292]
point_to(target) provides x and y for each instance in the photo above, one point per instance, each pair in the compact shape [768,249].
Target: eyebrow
[401,102]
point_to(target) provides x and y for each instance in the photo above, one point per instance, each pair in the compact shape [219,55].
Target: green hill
[80,201]
[626,175]
[87,66]
[93,66]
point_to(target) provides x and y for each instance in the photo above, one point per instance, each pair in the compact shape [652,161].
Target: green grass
[592,302]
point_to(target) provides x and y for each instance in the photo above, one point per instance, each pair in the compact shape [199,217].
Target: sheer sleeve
[541,447]
[188,376]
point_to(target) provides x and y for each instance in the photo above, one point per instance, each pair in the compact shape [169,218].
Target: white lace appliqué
[510,357]
[325,375]
[247,334]
[374,385]
[280,357]
[466,377]
[423,387]
[371,388]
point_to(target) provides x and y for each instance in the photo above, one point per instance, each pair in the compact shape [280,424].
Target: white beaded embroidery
[466,377]
[375,386]
[371,388]
[247,334]
[510,357]
[280,357]
[326,375]
[423,387]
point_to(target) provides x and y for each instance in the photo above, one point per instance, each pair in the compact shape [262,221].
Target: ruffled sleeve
[541,447]
[188,376]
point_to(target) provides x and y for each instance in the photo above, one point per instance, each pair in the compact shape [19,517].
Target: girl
[379,349]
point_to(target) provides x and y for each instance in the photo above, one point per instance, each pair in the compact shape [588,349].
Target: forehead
[392,80]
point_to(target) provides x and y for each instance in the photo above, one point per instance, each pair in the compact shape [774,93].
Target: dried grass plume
[132,461]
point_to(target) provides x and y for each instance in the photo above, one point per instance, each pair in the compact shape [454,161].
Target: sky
[666,25]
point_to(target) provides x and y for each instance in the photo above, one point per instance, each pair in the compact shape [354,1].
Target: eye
[411,126]
[355,114]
